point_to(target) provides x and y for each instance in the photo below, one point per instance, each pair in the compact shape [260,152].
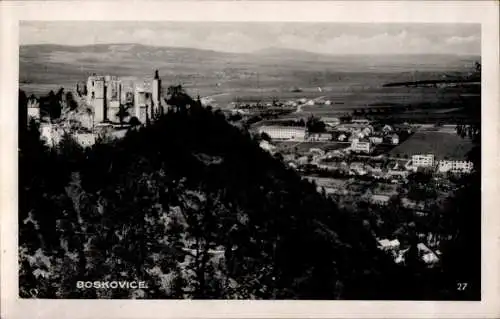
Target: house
[320,137]
[423,160]
[356,134]
[376,139]
[395,173]
[387,129]
[265,145]
[361,146]
[378,199]
[342,137]
[51,133]
[317,151]
[33,109]
[366,131]
[85,139]
[357,168]
[411,204]
[386,244]
[395,139]
[428,256]
[455,166]
[303,160]
[400,256]
[292,165]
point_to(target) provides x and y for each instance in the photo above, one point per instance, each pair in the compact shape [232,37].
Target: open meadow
[442,144]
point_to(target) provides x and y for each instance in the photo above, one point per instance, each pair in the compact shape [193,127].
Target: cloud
[331,38]
[460,40]
[383,43]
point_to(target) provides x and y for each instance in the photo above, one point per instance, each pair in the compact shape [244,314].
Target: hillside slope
[195,208]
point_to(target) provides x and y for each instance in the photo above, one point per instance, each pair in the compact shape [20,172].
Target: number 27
[461,286]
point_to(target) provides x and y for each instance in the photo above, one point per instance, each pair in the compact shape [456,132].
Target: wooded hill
[195,208]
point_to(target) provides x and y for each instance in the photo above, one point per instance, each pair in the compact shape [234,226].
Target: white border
[484,12]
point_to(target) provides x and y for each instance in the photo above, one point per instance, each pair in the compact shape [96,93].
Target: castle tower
[113,99]
[141,104]
[96,97]
[156,90]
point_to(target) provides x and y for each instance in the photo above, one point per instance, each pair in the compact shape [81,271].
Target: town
[360,161]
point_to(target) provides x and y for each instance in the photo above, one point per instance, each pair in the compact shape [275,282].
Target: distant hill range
[61,64]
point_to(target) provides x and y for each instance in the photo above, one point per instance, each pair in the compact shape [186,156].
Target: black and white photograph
[250,160]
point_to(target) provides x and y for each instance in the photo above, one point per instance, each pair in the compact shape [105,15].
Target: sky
[326,38]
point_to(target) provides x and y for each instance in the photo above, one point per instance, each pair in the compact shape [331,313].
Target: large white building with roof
[423,160]
[362,146]
[276,132]
[455,166]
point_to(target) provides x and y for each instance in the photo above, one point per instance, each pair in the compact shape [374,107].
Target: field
[442,145]
[350,82]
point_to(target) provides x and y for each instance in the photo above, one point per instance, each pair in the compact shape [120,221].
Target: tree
[90,112]
[217,218]
[477,67]
[134,121]
[177,97]
[123,113]
[265,137]
[315,125]
[70,101]
[22,111]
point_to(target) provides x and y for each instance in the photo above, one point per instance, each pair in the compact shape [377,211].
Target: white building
[387,129]
[267,146]
[395,139]
[428,256]
[284,132]
[379,199]
[421,160]
[455,166]
[376,139]
[320,137]
[51,133]
[361,146]
[85,139]
[33,109]
[386,244]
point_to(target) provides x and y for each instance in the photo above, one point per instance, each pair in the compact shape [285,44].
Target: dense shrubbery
[194,207]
